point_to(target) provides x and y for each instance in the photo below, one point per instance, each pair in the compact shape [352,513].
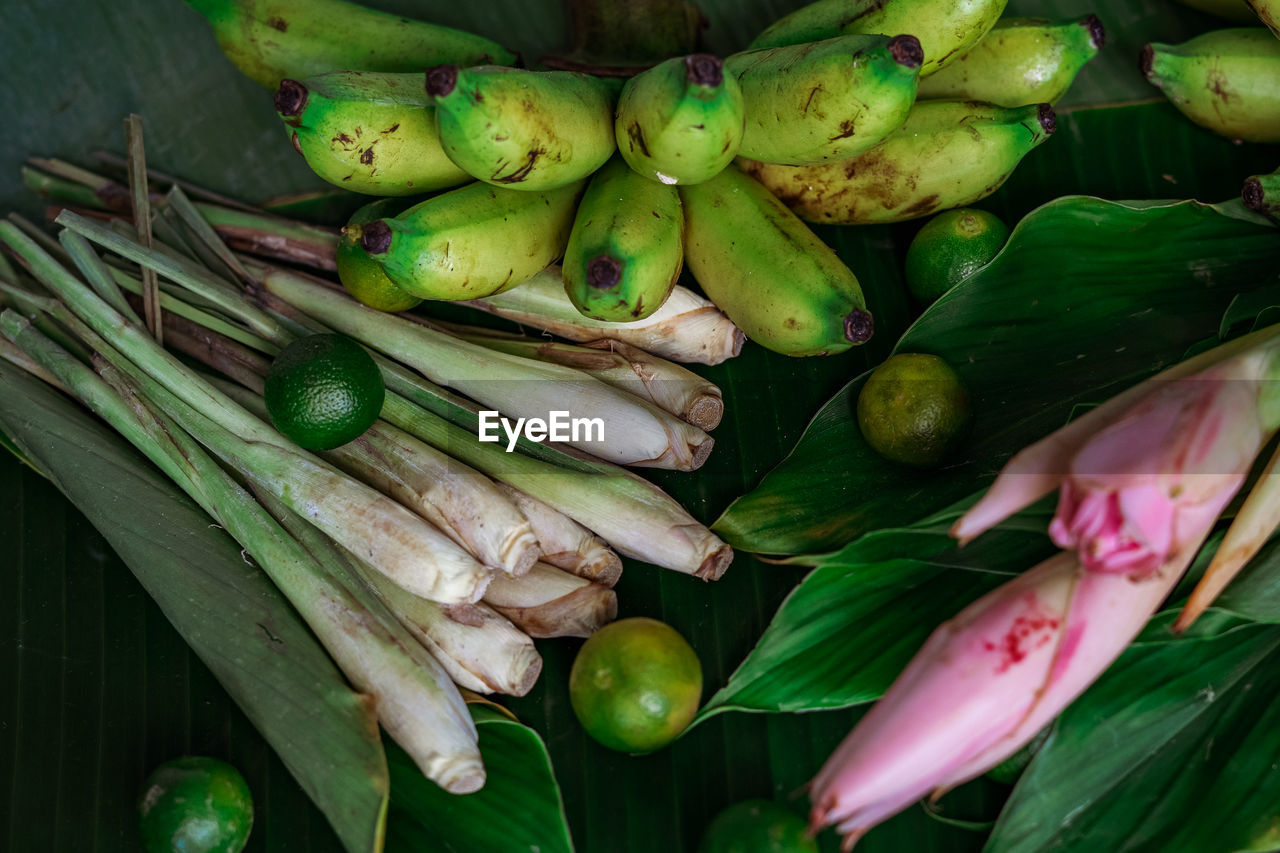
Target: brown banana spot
[636,135]
[278,24]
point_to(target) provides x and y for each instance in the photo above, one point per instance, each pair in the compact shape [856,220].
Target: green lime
[950,247]
[635,685]
[360,274]
[195,805]
[757,826]
[323,391]
[913,409]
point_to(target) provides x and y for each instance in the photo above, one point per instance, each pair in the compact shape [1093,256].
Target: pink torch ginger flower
[1143,479]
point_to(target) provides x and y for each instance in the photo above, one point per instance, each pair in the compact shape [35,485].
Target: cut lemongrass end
[483,652]
[687,328]
[550,602]
[665,384]
[598,418]
[565,543]
[272,237]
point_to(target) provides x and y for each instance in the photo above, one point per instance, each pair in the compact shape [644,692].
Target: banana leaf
[1086,298]
[260,652]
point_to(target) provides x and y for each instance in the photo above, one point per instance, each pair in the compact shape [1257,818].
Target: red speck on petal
[1017,642]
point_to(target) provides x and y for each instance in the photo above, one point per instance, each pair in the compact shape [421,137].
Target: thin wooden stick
[142,222]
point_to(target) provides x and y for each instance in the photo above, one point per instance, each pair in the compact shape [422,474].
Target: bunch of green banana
[471,242]
[1262,193]
[626,247]
[523,130]
[360,274]
[1021,61]
[368,132]
[270,40]
[680,122]
[1268,11]
[768,272]
[1225,80]
[1232,10]
[826,100]
[948,154]
[946,28]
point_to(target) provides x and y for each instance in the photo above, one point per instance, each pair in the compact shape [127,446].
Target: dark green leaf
[261,652]
[519,807]
[1175,748]
[1087,297]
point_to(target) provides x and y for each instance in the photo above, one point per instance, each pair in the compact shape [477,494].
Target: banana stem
[687,328]
[483,652]
[549,602]
[666,384]
[397,542]
[565,543]
[628,431]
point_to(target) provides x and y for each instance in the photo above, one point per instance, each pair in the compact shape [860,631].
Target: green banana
[1262,193]
[626,247]
[270,40]
[948,154]
[1225,80]
[1232,10]
[523,130]
[360,274]
[680,122]
[825,100]
[472,242]
[1021,61]
[768,272]
[368,132]
[946,28]
[1268,11]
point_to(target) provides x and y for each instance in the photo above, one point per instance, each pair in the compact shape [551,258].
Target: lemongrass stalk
[565,543]
[18,357]
[484,653]
[667,385]
[117,162]
[62,190]
[415,700]
[190,216]
[186,273]
[550,602]
[631,431]
[99,276]
[40,237]
[396,541]
[463,503]
[173,306]
[687,328]
[633,515]
[7,272]
[418,702]
[272,237]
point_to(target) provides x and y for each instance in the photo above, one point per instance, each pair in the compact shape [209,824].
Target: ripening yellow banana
[946,28]
[471,242]
[680,122]
[523,130]
[627,245]
[825,100]
[368,132]
[948,154]
[763,267]
[1225,80]
[1268,11]
[270,40]
[1021,61]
